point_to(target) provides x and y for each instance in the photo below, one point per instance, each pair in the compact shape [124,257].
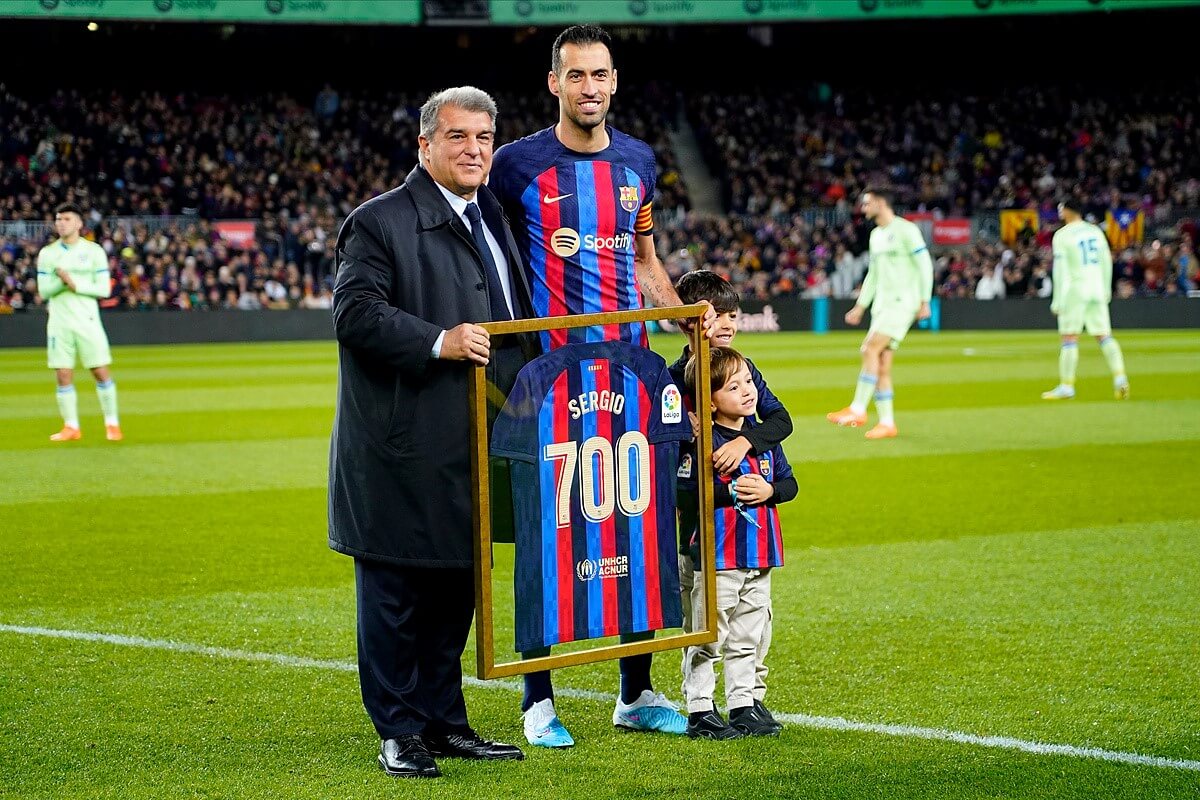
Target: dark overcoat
[399,460]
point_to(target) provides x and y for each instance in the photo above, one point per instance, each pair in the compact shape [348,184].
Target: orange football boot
[847,417]
[882,431]
[67,434]
[113,433]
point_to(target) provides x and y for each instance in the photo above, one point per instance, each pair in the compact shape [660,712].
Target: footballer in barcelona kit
[575,217]
[579,198]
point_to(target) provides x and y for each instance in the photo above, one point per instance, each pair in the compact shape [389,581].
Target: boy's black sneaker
[749,722]
[710,725]
[766,714]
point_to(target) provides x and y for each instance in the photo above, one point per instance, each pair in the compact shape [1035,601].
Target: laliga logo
[586,569]
[672,405]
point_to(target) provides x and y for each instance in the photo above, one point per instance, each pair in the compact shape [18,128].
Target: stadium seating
[174,167]
[957,152]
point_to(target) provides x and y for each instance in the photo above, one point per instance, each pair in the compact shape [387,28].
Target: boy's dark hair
[69,208]
[578,35]
[704,284]
[1072,203]
[886,195]
[723,362]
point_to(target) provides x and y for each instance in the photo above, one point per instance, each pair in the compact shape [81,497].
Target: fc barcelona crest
[629,198]
[764,466]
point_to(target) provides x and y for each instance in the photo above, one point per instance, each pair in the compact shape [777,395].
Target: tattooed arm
[656,283]
[653,277]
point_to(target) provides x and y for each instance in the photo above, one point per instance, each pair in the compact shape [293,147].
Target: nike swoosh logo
[547,199]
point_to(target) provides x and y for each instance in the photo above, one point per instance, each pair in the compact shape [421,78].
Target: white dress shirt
[459,204]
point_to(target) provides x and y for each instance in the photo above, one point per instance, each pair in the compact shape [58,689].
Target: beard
[586,123]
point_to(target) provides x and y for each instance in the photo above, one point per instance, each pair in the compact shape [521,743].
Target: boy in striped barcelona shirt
[749,545]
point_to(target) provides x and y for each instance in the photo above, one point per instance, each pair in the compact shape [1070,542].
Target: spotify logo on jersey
[565,242]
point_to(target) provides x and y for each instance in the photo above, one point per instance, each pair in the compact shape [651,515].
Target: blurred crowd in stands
[768,257]
[957,152]
[295,169]
[189,266]
[183,164]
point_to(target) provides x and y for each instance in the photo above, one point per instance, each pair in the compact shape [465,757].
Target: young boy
[749,545]
[775,425]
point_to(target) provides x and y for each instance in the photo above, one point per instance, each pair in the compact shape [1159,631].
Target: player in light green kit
[72,273]
[1082,291]
[897,288]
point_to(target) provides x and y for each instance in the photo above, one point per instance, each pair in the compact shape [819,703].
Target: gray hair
[467,98]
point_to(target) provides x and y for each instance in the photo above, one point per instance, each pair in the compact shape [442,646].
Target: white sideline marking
[802,720]
[183,647]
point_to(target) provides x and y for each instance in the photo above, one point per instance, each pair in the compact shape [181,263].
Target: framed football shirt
[592,431]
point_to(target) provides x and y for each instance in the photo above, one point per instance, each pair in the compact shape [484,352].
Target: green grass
[1007,567]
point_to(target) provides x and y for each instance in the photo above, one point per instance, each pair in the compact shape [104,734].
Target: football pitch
[1002,602]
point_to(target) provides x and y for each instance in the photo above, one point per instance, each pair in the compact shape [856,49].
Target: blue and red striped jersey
[739,544]
[575,217]
[593,431]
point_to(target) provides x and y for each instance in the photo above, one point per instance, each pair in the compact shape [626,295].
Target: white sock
[862,392]
[1115,358]
[1068,361]
[883,404]
[68,406]
[107,392]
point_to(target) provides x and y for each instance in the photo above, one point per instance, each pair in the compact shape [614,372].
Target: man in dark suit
[417,267]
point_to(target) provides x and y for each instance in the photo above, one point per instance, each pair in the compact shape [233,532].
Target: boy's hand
[729,455]
[695,420]
[753,489]
[706,324]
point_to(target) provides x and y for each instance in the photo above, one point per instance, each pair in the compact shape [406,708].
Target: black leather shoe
[766,714]
[710,725]
[471,745]
[750,722]
[407,757]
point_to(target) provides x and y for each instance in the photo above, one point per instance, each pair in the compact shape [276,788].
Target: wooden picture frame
[486,666]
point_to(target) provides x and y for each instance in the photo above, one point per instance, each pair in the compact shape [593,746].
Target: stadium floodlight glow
[93,27]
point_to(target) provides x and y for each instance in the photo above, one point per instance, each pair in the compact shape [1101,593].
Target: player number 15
[1091,251]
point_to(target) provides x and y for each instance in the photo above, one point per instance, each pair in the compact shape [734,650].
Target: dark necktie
[495,290]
